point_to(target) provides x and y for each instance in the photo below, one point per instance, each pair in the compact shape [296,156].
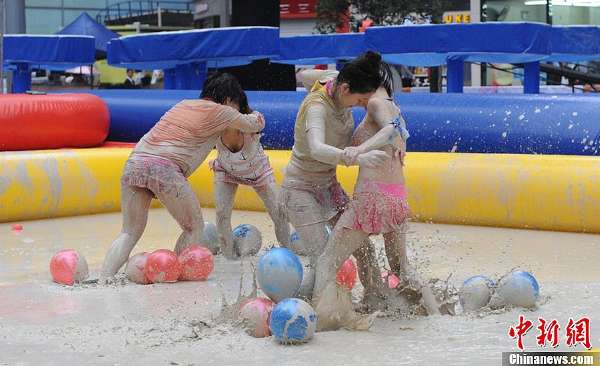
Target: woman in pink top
[169,153]
[242,160]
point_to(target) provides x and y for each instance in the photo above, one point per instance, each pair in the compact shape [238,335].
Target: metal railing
[132,8]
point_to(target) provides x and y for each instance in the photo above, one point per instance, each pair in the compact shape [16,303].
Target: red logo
[548,332]
[520,330]
[579,332]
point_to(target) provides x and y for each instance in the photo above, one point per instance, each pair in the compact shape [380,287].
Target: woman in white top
[242,160]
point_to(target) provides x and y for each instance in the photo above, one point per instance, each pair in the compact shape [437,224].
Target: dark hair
[362,74]
[244,106]
[219,87]
[387,78]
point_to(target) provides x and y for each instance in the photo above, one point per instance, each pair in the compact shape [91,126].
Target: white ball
[135,268]
[210,238]
[475,292]
[247,240]
[518,288]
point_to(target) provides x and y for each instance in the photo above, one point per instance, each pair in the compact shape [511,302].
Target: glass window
[595,15]
[516,11]
[43,21]
[565,13]
[45,3]
[85,4]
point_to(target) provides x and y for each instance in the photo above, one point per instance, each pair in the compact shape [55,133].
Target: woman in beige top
[169,153]
[311,195]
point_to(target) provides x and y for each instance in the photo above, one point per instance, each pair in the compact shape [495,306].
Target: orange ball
[162,266]
[197,263]
[346,275]
[67,267]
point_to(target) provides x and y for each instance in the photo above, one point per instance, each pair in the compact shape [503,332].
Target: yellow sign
[457,17]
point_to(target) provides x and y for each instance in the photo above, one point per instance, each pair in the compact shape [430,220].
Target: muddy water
[173,324]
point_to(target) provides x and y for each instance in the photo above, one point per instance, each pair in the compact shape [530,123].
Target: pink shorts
[377,208]
[157,174]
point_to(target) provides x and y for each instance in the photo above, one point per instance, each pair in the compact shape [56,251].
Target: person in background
[129,82]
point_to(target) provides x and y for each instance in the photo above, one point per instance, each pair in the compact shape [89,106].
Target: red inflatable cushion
[33,122]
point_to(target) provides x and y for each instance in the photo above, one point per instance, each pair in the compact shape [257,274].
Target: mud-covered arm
[310,76]
[315,129]
[391,132]
[249,123]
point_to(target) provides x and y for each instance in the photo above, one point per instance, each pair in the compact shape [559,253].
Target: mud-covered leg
[135,203]
[269,195]
[224,195]
[183,205]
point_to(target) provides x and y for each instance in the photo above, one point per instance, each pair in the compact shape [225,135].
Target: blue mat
[502,123]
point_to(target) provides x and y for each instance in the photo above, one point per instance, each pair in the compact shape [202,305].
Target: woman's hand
[373,159]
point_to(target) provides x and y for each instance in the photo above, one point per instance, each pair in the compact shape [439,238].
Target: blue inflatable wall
[501,123]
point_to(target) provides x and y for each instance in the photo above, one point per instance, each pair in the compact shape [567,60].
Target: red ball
[197,263]
[17,227]
[67,267]
[391,279]
[162,266]
[346,275]
[255,315]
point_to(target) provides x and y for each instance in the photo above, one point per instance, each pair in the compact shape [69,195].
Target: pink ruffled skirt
[377,208]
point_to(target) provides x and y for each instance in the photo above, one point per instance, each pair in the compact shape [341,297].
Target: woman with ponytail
[311,195]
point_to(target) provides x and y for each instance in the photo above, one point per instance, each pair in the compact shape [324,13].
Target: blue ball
[247,240]
[299,247]
[518,288]
[293,321]
[475,292]
[279,273]
[529,277]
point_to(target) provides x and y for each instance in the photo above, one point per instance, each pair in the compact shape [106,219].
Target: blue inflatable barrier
[500,123]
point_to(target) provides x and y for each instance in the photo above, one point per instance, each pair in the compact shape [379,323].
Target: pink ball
[67,267]
[162,266]
[392,280]
[346,275]
[135,268]
[17,227]
[197,263]
[255,315]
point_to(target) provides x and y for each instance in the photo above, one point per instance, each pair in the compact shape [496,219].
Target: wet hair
[362,74]
[219,87]
[387,78]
